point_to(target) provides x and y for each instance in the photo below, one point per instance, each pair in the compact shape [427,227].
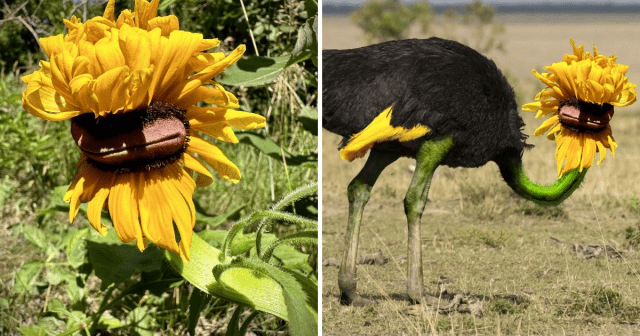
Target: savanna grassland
[479,234]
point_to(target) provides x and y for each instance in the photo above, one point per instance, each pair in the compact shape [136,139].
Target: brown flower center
[584,117]
[148,138]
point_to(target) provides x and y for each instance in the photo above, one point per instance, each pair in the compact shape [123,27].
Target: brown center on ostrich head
[147,138]
[583,116]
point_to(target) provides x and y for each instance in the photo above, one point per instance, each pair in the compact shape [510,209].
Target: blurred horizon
[503,2]
[338,7]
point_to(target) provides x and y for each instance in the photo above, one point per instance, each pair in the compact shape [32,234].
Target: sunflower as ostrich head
[132,89]
[581,93]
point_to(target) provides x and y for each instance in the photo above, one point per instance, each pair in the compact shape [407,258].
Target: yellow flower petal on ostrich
[602,150]
[214,157]
[546,125]
[379,130]
[588,152]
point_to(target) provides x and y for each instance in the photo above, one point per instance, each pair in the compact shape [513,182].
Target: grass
[478,233]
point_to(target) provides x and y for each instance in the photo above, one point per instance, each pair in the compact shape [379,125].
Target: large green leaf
[240,285]
[269,147]
[115,262]
[253,71]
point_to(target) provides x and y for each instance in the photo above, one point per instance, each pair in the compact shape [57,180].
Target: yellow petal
[214,157]
[204,176]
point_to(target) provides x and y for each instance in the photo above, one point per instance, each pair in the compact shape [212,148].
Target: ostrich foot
[355,300]
[460,303]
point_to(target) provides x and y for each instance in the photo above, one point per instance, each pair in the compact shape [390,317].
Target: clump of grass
[531,209]
[604,302]
[508,305]
[493,239]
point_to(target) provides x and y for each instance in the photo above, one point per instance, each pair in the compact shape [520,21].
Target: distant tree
[384,20]
[486,33]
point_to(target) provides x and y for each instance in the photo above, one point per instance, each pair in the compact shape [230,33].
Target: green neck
[515,176]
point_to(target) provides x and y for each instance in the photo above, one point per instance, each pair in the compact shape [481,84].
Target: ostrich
[441,103]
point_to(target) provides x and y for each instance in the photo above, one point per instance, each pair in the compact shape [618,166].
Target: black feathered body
[442,84]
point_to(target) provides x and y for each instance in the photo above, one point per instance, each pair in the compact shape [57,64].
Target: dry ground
[479,234]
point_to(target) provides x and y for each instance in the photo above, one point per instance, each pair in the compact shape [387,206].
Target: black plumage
[442,84]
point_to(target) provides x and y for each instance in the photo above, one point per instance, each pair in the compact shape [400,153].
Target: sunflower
[581,93]
[133,89]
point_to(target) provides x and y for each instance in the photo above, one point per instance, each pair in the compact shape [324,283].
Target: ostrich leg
[429,157]
[359,191]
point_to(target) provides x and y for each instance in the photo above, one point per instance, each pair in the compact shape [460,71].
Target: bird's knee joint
[358,190]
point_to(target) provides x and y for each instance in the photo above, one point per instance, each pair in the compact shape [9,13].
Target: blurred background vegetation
[38,158]
[384,20]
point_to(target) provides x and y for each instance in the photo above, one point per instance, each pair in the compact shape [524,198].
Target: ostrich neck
[515,176]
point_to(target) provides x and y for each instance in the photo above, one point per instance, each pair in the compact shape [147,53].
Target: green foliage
[384,20]
[22,21]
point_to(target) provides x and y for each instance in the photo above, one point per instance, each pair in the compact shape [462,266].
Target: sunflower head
[141,93]
[580,95]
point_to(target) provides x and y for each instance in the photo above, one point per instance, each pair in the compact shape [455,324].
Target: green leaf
[59,274]
[107,322]
[307,43]
[241,285]
[77,248]
[241,243]
[233,327]
[308,117]
[32,331]
[75,292]
[114,263]
[51,325]
[142,321]
[253,71]
[57,307]
[4,304]
[215,221]
[196,302]
[164,4]
[302,318]
[270,148]
[27,276]
[36,236]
